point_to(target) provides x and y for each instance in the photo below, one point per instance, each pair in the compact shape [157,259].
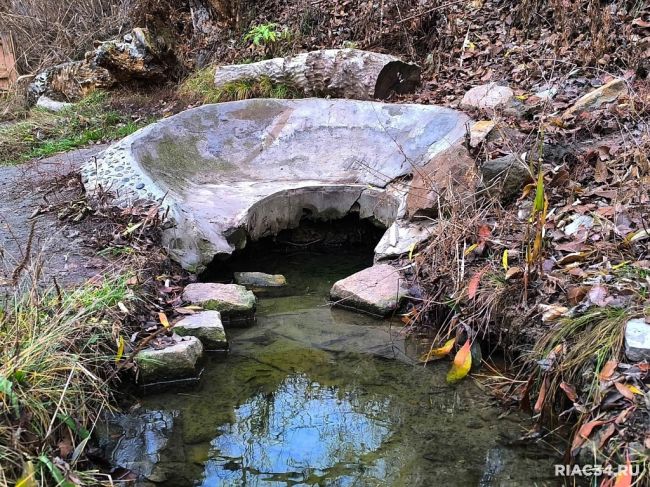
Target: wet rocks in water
[377,290]
[254,280]
[235,303]
[207,327]
[175,362]
[637,340]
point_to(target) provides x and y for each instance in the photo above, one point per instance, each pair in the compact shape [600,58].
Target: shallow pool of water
[324,397]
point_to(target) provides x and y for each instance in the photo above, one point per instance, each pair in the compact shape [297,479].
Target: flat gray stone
[637,340]
[172,363]
[377,290]
[234,302]
[239,171]
[401,237]
[259,279]
[206,326]
[488,97]
[505,177]
[50,105]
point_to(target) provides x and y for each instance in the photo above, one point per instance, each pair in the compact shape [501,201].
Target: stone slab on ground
[402,237]
[207,327]
[172,363]
[488,97]
[259,280]
[234,302]
[637,340]
[593,100]
[377,290]
[239,171]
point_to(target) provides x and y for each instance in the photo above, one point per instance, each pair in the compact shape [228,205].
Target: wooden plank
[8,74]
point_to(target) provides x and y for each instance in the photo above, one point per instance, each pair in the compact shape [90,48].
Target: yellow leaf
[411,249]
[163,320]
[635,389]
[470,249]
[28,477]
[504,260]
[438,353]
[120,349]
[462,364]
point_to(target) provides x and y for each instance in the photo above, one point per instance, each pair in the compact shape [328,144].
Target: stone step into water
[235,303]
[207,327]
[175,362]
[377,290]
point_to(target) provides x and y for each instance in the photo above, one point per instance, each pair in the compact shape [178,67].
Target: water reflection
[304,432]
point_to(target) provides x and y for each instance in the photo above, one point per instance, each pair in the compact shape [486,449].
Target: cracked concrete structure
[239,171]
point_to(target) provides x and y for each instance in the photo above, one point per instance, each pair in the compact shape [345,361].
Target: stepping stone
[172,363]
[377,290]
[207,327]
[259,279]
[235,303]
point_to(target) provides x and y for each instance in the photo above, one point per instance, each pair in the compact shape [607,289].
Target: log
[339,73]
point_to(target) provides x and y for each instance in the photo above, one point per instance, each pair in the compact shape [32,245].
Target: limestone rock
[637,340]
[339,73]
[259,279]
[607,93]
[234,302]
[488,97]
[175,362]
[50,105]
[479,131]
[239,171]
[206,326]
[138,55]
[401,237]
[377,290]
[505,176]
[448,178]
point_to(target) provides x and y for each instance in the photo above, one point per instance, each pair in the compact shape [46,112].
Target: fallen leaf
[606,434]
[576,294]
[624,477]
[570,391]
[120,349]
[472,287]
[598,295]
[552,312]
[583,434]
[608,370]
[624,391]
[438,353]
[514,272]
[541,397]
[462,363]
[163,320]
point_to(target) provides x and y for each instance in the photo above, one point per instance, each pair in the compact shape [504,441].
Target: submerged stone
[376,290]
[637,340]
[206,326]
[239,171]
[172,363]
[234,302]
[259,279]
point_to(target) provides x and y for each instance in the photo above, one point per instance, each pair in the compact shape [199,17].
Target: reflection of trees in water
[302,430]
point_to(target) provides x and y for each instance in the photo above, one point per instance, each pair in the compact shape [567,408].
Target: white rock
[48,104]
[400,238]
[488,97]
[637,340]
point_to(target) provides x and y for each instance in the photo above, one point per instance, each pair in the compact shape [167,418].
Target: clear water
[314,396]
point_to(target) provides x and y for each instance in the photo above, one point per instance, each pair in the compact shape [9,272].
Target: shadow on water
[324,397]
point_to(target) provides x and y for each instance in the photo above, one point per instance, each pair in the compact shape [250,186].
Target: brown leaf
[600,173]
[583,435]
[624,391]
[576,294]
[569,391]
[472,287]
[598,295]
[542,396]
[608,370]
[606,434]
[514,272]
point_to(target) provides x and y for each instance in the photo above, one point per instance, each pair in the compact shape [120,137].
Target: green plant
[267,36]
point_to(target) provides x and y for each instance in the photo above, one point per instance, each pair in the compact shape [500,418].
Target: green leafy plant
[267,36]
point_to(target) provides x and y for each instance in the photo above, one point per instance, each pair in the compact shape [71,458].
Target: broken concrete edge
[117,170]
